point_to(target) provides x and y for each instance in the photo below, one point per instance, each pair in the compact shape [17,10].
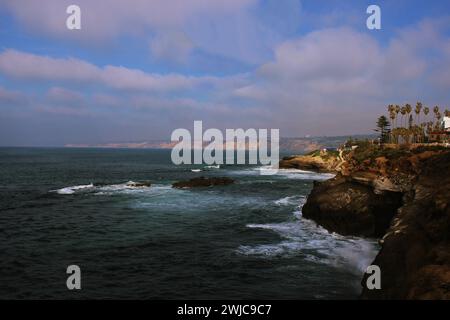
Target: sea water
[62,206]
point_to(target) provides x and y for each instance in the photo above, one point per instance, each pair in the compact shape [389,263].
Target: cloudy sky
[138,69]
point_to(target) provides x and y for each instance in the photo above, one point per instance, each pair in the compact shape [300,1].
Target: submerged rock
[203,182]
[142,184]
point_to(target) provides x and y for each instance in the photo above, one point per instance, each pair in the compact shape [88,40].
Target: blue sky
[139,69]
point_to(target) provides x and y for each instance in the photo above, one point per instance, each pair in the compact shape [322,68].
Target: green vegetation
[412,129]
[324,155]
[383,127]
[365,150]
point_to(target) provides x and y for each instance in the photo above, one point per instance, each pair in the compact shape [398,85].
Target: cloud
[172,46]
[240,30]
[342,79]
[328,81]
[326,53]
[58,94]
[11,98]
[27,66]
[107,18]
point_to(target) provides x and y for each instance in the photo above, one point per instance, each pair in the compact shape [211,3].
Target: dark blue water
[60,207]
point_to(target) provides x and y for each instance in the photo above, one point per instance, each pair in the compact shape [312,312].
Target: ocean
[63,206]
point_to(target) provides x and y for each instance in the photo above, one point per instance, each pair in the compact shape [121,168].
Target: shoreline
[398,197]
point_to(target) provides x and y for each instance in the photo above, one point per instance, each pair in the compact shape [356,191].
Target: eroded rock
[351,208]
[203,182]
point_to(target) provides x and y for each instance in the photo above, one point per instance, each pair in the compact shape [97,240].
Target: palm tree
[438,122]
[392,117]
[417,111]
[403,112]
[422,131]
[436,110]
[397,110]
[390,108]
[426,111]
[408,108]
[409,117]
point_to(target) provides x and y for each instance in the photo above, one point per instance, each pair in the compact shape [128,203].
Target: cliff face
[415,254]
[402,197]
[321,161]
[351,208]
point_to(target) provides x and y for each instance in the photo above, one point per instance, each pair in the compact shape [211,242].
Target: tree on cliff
[383,127]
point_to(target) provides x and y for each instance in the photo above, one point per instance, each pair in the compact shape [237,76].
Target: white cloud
[22,65]
[342,79]
[171,45]
[106,18]
[235,29]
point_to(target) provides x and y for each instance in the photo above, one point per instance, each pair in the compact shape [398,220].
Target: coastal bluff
[319,160]
[402,197]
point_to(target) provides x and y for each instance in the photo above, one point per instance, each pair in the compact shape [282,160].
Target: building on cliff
[446,122]
[439,136]
[442,135]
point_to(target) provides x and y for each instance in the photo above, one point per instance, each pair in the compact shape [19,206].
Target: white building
[446,121]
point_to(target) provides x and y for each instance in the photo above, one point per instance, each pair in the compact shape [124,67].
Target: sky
[139,69]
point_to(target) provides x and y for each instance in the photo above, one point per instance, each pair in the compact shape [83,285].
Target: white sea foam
[286,173]
[213,167]
[196,170]
[72,189]
[294,200]
[106,189]
[304,175]
[303,237]
[127,187]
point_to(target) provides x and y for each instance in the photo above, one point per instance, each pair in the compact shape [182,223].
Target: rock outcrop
[402,197]
[203,182]
[351,208]
[415,254]
[321,161]
[143,184]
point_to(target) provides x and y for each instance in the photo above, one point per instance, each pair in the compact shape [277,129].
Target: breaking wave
[304,238]
[100,188]
[294,200]
[73,189]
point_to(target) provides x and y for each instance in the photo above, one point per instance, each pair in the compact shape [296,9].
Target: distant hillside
[287,145]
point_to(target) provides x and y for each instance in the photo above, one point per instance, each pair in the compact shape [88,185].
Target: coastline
[397,196]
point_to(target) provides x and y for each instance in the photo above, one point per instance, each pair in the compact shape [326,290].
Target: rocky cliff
[401,196]
[321,161]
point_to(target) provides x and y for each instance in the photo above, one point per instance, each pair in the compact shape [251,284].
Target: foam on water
[213,167]
[284,173]
[293,200]
[315,244]
[125,188]
[106,189]
[304,175]
[72,189]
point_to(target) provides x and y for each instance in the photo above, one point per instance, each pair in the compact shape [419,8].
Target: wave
[315,244]
[213,167]
[72,189]
[304,175]
[284,173]
[101,188]
[293,200]
[196,170]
